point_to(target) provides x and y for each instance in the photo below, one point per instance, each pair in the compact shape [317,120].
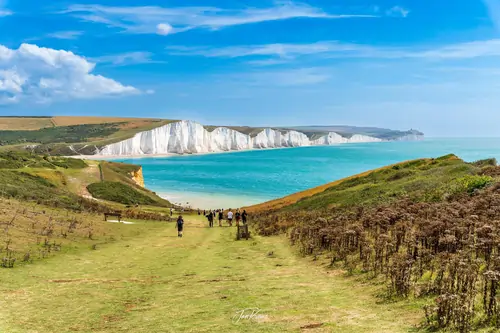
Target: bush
[468,184]
[66,134]
[118,192]
[69,163]
[486,162]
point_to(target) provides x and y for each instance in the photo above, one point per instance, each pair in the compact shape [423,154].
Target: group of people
[212,214]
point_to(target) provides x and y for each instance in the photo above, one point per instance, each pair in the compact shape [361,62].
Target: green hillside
[429,229]
[69,135]
[71,183]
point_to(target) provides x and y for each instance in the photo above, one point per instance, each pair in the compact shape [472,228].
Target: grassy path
[159,283]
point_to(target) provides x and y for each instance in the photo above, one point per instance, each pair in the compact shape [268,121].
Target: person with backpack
[238,217]
[244,216]
[180,226]
[210,218]
[221,217]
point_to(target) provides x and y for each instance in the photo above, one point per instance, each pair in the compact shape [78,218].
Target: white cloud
[43,75]
[398,11]
[4,11]
[65,34]
[151,19]
[278,53]
[285,78]
[128,58]
[278,50]
[494,11]
[164,29]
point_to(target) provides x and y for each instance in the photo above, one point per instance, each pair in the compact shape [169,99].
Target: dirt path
[200,283]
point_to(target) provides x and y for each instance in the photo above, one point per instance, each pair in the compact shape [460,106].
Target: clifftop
[89,135]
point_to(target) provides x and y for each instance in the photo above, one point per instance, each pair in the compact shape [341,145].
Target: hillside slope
[428,227]
[71,183]
[69,135]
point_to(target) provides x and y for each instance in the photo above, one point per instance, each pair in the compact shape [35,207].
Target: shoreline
[140,156]
[202,200]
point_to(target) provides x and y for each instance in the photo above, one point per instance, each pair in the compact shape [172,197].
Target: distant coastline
[140,156]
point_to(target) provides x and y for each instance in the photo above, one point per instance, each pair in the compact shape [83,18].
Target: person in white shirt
[230,218]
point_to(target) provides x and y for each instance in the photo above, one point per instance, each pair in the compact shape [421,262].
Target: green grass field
[149,280]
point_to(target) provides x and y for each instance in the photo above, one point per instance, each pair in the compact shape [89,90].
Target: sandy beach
[209,200]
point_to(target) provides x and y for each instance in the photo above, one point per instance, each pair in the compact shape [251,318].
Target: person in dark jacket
[238,217]
[244,216]
[180,226]
[210,218]
[221,217]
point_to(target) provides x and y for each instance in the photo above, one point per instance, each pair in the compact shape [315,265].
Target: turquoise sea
[241,178]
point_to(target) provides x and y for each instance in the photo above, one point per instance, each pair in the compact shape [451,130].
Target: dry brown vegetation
[429,229]
[24,124]
[70,121]
[29,231]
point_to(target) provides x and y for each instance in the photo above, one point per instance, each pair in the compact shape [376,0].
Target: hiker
[230,217]
[244,216]
[180,226]
[210,218]
[221,217]
[171,212]
[238,217]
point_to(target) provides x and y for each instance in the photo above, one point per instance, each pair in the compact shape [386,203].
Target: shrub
[118,192]
[470,183]
[486,162]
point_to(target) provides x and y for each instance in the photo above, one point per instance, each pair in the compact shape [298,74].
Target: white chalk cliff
[189,137]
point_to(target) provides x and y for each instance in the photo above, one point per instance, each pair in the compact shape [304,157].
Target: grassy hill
[427,228]
[76,184]
[69,135]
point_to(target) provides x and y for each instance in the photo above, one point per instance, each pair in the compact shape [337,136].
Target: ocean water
[230,180]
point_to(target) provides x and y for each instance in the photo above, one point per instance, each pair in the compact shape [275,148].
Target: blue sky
[401,64]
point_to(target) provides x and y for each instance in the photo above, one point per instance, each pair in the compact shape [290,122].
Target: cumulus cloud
[43,75]
[164,29]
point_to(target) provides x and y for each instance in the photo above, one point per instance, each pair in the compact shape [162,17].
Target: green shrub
[66,134]
[486,162]
[119,192]
[470,183]
[69,163]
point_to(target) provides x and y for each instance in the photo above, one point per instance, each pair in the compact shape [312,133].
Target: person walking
[221,217]
[210,218]
[180,226]
[238,217]
[244,216]
[171,212]
[230,217]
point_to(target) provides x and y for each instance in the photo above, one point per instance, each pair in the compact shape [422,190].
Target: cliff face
[138,177]
[188,137]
